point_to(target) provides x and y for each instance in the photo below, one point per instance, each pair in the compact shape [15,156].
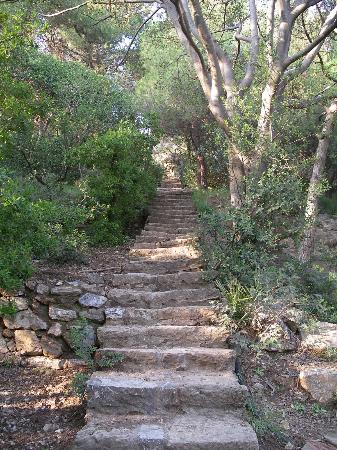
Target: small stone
[11,345]
[96,315]
[61,314]
[27,343]
[25,319]
[3,346]
[92,300]
[66,289]
[94,277]
[46,363]
[74,363]
[115,313]
[42,289]
[320,383]
[289,446]
[51,347]
[331,438]
[45,300]
[7,333]
[20,303]
[30,284]
[285,424]
[50,427]
[55,330]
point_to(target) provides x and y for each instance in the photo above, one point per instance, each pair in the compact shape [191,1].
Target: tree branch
[63,11]
[311,50]
[254,48]
[136,34]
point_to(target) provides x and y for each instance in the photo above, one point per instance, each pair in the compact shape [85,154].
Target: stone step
[169,228]
[165,203]
[172,220]
[163,217]
[166,336]
[173,209]
[167,241]
[150,282]
[176,315]
[158,391]
[136,265]
[179,359]
[194,431]
[164,235]
[149,243]
[161,299]
[175,252]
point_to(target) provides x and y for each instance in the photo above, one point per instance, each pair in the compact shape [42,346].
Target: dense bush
[34,229]
[119,180]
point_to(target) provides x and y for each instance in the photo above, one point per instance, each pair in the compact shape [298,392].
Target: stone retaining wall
[47,312]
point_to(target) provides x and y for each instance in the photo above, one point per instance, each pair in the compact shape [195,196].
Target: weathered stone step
[149,282]
[167,241]
[169,229]
[163,228]
[194,431]
[173,209]
[161,299]
[175,252]
[166,336]
[172,220]
[172,203]
[146,243]
[180,359]
[159,391]
[176,315]
[163,217]
[162,267]
[165,235]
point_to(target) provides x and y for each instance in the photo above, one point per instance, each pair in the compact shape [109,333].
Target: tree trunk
[311,211]
[202,172]
[264,128]
[236,170]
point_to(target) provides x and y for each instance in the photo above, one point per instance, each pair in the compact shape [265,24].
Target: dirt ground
[283,412]
[37,408]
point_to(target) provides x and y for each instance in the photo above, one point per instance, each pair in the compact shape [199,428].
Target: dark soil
[282,411]
[31,399]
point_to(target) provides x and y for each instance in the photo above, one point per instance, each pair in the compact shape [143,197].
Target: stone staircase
[176,388]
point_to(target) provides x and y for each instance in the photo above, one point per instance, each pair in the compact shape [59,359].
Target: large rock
[92,300]
[86,332]
[20,303]
[66,290]
[27,343]
[55,330]
[66,315]
[96,315]
[51,347]
[46,363]
[321,383]
[277,337]
[42,289]
[320,336]
[26,320]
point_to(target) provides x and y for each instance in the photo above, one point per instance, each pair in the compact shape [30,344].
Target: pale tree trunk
[202,172]
[307,244]
[236,171]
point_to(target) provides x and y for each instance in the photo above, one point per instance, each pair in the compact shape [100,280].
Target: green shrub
[34,229]
[328,204]
[120,178]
